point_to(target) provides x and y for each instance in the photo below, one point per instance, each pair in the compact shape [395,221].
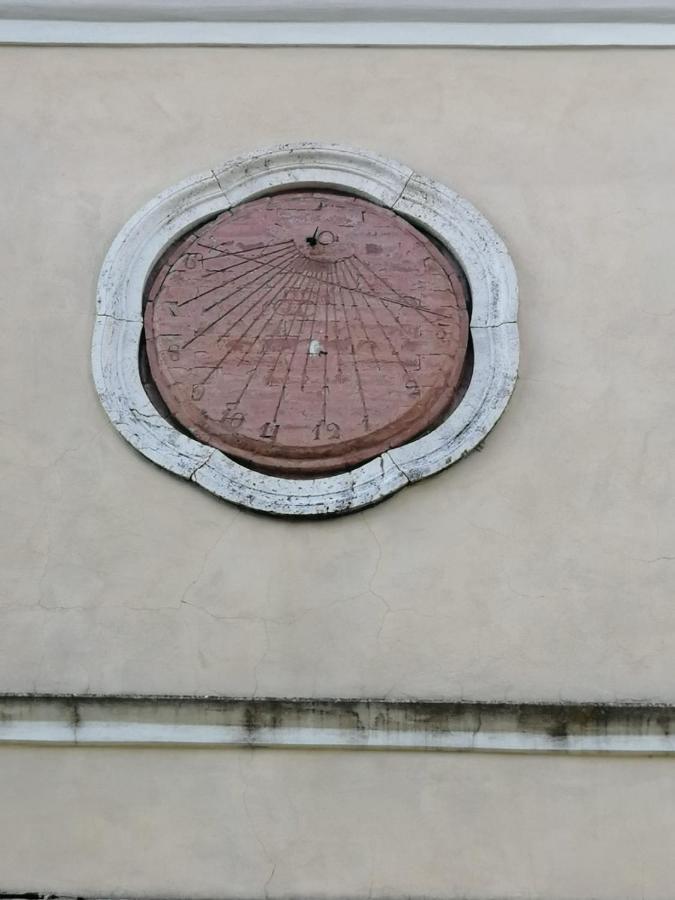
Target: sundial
[306,329]
[306,332]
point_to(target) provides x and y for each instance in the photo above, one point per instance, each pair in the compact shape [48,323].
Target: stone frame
[435,208]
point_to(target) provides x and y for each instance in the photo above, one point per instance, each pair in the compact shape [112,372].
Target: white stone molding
[563,728]
[430,23]
[452,220]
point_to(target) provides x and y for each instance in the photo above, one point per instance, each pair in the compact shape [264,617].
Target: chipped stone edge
[436,208]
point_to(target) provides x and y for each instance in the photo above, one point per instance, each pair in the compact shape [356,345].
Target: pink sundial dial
[306,332]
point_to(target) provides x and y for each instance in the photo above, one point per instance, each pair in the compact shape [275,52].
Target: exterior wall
[305,824]
[538,569]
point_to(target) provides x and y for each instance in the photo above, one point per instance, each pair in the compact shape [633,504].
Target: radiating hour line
[335,326]
[260,259]
[288,254]
[313,291]
[237,305]
[366,418]
[324,403]
[241,260]
[220,252]
[303,380]
[387,337]
[420,310]
[263,265]
[357,309]
[282,320]
[400,301]
[295,280]
[221,284]
[284,278]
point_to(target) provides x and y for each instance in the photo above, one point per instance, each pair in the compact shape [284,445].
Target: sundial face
[306,332]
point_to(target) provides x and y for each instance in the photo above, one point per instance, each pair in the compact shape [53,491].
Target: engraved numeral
[412,387]
[174,352]
[192,260]
[197,391]
[332,430]
[232,420]
[269,431]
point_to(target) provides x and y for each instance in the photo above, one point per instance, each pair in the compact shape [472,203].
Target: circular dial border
[306,332]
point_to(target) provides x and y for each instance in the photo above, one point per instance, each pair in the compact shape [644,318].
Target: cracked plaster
[309,824]
[539,568]
[536,569]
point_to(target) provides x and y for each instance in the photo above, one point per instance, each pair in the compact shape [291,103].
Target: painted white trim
[338,34]
[148,734]
[427,23]
[350,725]
[342,10]
[453,221]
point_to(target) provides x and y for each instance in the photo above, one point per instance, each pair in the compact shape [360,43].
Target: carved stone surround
[434,207]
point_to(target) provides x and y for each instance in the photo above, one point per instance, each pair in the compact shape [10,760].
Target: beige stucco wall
[297,824]
[541,567]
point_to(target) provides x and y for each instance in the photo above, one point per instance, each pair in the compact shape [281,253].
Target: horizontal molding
[343,10]
[337,724]
[429,23]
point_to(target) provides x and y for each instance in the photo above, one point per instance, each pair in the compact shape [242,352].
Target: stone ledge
[487,23]
[493,11]
[337,724]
